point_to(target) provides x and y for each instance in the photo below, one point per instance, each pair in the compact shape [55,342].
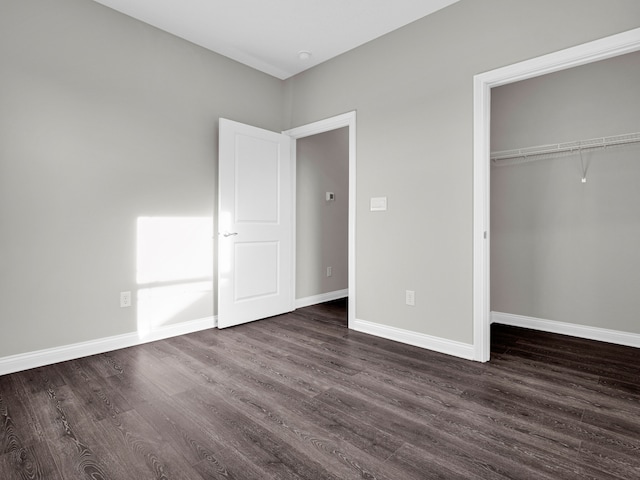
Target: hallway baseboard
[323,297]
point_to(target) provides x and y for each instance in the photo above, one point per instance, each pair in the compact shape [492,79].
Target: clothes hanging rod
[530,153]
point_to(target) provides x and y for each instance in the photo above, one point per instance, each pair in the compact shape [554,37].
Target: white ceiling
[269,34]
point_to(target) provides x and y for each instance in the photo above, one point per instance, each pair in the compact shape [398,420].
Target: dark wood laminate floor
[301,397]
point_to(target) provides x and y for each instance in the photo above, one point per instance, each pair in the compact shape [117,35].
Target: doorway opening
[335,124]
[322,223]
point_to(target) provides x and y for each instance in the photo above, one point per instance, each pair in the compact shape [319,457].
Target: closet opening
[564,204]
[484,84]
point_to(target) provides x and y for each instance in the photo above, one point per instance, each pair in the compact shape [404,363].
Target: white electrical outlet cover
[125,299]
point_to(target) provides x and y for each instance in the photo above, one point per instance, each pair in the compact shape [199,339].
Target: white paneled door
[255,224]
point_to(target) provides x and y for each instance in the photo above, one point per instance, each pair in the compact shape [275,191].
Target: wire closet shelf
[528,154]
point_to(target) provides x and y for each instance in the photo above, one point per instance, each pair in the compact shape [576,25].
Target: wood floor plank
[601,462]
[337,457]
[299,396]
[143,450]
[89,388]
[18,425]
[424,433]
[311,424]
[587,363]
[305,405]
[540,453]
[29,462]
[146,364]
[66,422]
[301,374]
[424,464]
[261,448]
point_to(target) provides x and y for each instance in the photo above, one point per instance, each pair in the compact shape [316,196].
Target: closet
[565,199]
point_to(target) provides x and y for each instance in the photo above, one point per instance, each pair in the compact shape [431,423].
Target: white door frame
[326,125]
[594,51]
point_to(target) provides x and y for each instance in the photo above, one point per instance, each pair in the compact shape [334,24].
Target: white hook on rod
[584,170]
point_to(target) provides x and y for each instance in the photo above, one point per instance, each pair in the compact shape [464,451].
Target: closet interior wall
[563,250]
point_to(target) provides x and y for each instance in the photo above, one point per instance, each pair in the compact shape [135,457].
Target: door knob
[229,234]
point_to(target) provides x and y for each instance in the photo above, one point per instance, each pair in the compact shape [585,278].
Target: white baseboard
[581,331]
[25,361]
[323,297]
[437,344]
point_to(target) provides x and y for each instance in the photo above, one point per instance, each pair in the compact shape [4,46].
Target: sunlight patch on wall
[174,267]
[158,305]
[174,248]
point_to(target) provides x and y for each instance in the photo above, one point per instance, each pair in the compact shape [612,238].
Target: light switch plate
[410,298]
[378,204]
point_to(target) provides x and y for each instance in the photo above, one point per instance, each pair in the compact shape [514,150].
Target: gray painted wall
[103,120]
[412,90]
[322,236]
[560,249]
[595,100]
